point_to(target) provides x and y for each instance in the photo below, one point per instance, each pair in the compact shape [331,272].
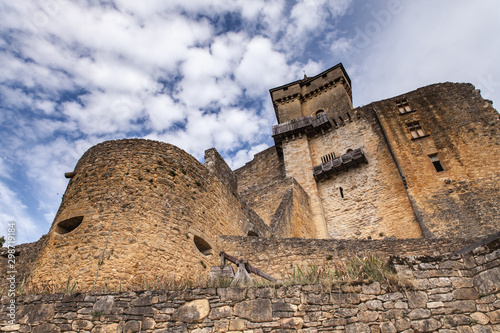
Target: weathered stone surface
[237,324]
[103,304]
[372,289]
[35,313]
[494,316]
[465,293]
[148,323]
[82,325]
[220,312]
[426,325]
[145,300]
[46,328]
[417,299]
[292,323]
[481,329]
[480,318]
[258,310]
[487,282]
[367,316]
[419,314]
[132,326]
[387,327]
[192,312]
[375,305]
[108,328]
[357,328]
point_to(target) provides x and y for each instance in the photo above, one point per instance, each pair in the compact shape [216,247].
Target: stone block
[220,312]
[258,310]
[132,326]
[426,325]
[417,299]
[82,325]
[45,328]
[465,293]
[494,316]
[292,323]
[480,318]
[387,327]
[487,282]
[372,289]
[192,312]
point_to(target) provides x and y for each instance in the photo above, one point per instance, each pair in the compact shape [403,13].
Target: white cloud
[13,210]
[244,155]
[261,66]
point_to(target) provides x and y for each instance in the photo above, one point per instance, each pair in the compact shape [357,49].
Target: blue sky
[196,73]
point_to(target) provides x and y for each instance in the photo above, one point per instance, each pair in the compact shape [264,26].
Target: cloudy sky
[197,73]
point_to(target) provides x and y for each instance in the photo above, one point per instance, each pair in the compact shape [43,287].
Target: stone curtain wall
[279,256]
[452,294]
[463,130]
[160,207]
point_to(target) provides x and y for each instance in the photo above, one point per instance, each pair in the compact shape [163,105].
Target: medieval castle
[413,173]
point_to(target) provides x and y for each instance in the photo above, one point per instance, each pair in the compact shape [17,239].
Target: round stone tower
[136,211]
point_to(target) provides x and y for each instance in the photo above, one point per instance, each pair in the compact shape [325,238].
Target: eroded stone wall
[261,183]
[152,208]
[368,200]
[462,129]
[450,294]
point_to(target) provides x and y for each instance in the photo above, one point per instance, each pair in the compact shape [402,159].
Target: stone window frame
[416,130]
[404,106]
[436,162]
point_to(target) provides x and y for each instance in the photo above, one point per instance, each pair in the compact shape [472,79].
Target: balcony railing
[344,162]
[307,125]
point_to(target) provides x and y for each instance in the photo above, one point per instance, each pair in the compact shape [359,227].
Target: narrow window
[403,106]
[349,116]
[341,120]
[323,76]
[319,112]
[68,225]
[416,130]
[335,123]
[252,234]
[286,88]
[341,192]
[436,162]
[202,246]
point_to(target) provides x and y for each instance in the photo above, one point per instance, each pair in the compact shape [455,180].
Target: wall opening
[341,192]
[436,162]
[319,112]
[252,234]
[202,246]
[68,225]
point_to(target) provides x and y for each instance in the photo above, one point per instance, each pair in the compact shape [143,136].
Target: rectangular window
[416,130]
[403,106]
[436,162]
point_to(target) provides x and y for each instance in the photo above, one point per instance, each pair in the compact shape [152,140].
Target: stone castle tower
[424,164]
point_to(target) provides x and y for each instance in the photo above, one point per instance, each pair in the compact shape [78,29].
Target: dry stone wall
[458,293]
[279,256]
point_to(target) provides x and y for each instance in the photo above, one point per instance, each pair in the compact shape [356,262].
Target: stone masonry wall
[261,183]
[463,130]
[161,209]
[278,256]
[368,200]
[451,294]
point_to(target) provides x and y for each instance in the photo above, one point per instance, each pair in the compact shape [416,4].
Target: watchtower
[340,158]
